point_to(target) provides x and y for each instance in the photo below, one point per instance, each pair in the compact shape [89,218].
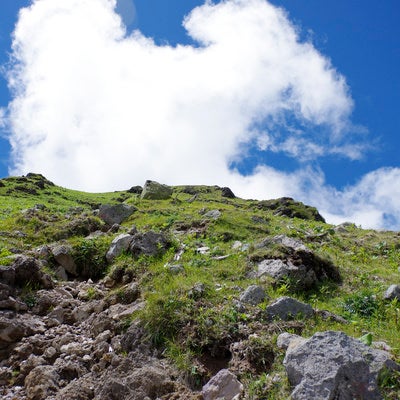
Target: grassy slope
[188,326]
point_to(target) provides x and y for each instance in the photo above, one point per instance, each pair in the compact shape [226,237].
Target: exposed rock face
[393,292]
[115,214]
[331,365]
[156,191]
[286,308]
[224,385]
[253,295]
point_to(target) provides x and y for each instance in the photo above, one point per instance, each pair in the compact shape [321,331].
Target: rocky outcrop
[331,365]
[286,206]
[297,265]
[156,191]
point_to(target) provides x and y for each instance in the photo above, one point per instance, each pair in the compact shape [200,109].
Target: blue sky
[336,148]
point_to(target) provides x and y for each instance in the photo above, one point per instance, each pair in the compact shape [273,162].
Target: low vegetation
[192,313]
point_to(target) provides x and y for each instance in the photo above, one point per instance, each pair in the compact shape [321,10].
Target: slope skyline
[314,118]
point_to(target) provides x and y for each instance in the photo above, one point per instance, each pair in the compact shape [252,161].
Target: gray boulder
[118,246]
[156,191]
[148,244]
[115,214]
[253,295]
[393,292]
[224,385]
[63,256]
[331,365]
[287,308]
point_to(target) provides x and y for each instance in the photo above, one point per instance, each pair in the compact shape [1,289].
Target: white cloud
[97,109]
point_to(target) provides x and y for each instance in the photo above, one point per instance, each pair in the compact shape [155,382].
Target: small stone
[253,295]
[176,268]
[214,214]
[393,292]
[203,250]
[237,245]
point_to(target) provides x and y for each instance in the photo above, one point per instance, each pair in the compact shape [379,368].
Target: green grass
[186,323]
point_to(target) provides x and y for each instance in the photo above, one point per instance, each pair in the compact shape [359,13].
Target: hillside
[148,293]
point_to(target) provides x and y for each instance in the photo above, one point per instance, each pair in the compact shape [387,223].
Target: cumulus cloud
[96,108]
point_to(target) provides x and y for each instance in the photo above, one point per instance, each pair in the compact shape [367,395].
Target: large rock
[224,385]
[115,214]
[156,191]
[148,244]
[63,256]
[118,246]
[42,382]
[331,365]
[286,308]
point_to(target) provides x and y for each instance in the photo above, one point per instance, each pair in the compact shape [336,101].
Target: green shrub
[89,255]
[364,304]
